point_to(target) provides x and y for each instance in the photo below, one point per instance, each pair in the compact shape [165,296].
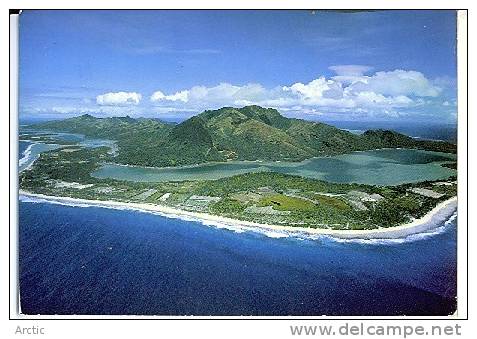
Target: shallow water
[378,167]
[31,152]
[91,260]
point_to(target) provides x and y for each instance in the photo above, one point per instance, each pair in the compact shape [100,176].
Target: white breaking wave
[410,238]
[26,155]
[260,230]
[223,226]
[216,224]
[451,219]
[36,200]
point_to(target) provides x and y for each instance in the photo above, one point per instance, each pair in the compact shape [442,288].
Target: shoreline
[26,157]
[26,154]
[428,222]
[270,163]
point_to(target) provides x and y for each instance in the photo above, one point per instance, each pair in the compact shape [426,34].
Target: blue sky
[374,66]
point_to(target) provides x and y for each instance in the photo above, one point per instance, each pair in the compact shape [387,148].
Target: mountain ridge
[228,133]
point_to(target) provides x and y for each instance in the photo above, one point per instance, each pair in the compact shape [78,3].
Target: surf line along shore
[431,220]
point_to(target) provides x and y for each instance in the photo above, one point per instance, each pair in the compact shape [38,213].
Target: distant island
[251,133]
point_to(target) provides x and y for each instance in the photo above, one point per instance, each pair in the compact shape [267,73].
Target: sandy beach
[428,222]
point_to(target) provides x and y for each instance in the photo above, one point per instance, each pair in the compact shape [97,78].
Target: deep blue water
[419,129]
[90,260]
[22,146]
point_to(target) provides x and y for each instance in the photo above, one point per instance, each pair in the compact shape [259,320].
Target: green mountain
[248,133]
[115,128]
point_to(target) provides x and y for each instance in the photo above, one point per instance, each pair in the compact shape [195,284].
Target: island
[264,198]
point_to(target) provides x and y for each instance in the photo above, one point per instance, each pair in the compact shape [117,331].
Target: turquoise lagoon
[376,167]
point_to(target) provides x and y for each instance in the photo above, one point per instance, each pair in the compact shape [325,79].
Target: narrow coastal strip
[430,221]
[26,154]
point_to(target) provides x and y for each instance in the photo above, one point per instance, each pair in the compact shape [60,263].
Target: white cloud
[94,110]
[350,91]
[353,90]
[178,96]
[350,70]
[222,94]
[313,90]
[397,82]
[158,96]
[348,74]
[118,99]
[168,109]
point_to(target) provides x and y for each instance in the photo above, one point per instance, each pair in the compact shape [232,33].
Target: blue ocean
[92,260]
[422,130]
[22,147]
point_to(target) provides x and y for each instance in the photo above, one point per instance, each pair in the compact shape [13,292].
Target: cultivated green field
[266,197]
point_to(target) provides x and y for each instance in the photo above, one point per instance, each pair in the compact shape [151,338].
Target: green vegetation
[275,181]
[286,203]
[248,133]
[45,138]
[227,207]
[265,197]
[68,166]
[131,134]
[391,212]
[332,202]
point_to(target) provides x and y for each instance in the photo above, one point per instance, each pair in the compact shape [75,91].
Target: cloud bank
[350,90]
[118,99]
[353,91]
